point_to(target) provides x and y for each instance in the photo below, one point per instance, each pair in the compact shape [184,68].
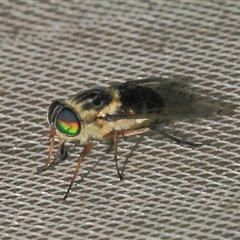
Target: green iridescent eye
[68,123]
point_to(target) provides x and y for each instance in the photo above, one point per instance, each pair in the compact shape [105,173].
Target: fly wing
[170,99]
[182,101]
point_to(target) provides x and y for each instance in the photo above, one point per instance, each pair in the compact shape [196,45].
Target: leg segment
[115,139]
[179,140]
[85,151]
[115,136]
[61,153]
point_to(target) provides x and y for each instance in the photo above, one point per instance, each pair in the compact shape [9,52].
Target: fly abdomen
[139,99]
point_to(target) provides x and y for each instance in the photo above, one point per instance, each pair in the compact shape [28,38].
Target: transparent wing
[181,101]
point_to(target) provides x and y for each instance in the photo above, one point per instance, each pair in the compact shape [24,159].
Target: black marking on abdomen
[139,98]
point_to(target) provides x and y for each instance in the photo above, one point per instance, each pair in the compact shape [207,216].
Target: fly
[116,111]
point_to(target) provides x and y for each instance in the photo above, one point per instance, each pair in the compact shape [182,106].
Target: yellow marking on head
[85,115]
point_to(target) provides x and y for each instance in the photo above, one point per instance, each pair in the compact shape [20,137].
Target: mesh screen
[51,49]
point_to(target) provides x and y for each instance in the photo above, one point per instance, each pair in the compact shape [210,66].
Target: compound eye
[52,111]
[68,123]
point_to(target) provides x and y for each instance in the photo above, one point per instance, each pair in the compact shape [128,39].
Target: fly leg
[61,153]
[115,136]
[85,151]
[49,155]
[115,139]
[179,140]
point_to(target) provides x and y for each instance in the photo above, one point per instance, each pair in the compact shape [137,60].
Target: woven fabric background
[52,49]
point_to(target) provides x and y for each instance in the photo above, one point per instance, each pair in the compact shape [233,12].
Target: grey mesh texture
[52,49]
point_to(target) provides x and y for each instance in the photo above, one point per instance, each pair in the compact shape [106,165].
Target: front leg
[85,151]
